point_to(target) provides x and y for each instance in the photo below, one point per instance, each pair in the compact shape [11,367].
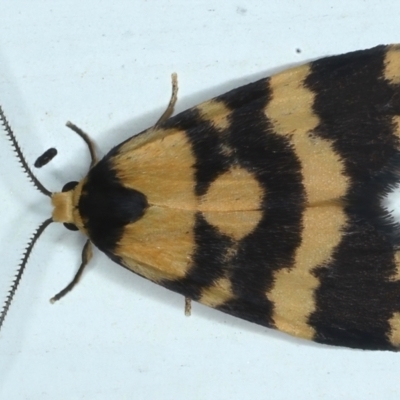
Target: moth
[264,202]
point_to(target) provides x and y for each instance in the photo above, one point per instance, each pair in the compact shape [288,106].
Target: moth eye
[71,227]
[69,186]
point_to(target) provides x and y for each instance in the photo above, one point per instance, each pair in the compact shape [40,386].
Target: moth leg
[86,139]
[188,306]
[171,105]
[87,254]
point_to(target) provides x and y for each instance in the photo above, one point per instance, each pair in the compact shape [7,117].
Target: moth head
[65,203]
[65,206]
[65,210]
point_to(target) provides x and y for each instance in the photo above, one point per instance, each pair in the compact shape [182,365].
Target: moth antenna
[172,101]
[87,254]
[87,140]
[188,306]
[20,155]
[21,268]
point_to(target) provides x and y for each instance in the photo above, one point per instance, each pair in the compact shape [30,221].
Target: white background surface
[106,66]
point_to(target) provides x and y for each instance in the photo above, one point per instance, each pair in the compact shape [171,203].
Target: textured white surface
[106,65]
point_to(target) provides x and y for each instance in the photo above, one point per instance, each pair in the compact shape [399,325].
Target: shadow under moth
[264,202]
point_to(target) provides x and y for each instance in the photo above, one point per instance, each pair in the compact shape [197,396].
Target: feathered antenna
[21,268]
[38,232]
[42,160]
[20,155]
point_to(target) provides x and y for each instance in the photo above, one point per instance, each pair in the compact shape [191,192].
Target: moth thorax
[63,207]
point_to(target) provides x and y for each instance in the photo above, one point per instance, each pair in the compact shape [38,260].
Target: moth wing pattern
[265,202]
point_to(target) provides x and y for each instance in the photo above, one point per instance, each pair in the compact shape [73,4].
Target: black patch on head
[106,206]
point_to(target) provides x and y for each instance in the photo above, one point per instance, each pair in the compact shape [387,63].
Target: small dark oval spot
[71,227]
[69,186]
[46,157]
